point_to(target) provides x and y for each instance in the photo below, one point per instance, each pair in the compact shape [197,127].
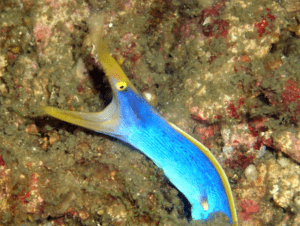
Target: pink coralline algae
[248,207]
[232,110]
[32,200]
[1,161]
[206,134]
[291,92]
[212,14]
[291,97]
[42,34]
[261,26]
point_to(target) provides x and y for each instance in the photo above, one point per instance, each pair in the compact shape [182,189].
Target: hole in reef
[187,206]
[101,84]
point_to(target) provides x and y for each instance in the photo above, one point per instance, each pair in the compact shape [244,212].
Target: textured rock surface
[226,72]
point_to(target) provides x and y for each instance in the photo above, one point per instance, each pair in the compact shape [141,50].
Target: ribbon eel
[187,163]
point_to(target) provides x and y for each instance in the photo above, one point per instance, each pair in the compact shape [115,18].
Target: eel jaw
[106,121]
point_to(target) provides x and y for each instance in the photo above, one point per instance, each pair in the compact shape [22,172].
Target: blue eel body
[182,162]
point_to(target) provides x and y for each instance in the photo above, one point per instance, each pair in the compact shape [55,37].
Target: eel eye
[121,86]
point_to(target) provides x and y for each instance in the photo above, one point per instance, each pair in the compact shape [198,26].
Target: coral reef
[226,72]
